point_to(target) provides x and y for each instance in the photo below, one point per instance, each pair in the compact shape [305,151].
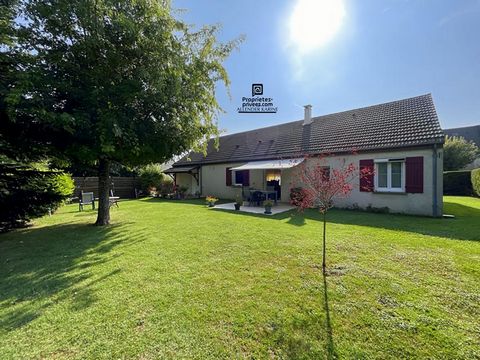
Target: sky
[343,54]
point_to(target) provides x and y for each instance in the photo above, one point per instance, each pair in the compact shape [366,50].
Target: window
[382,171]
[396,169]
[238,177]
[390,175]
[241,177]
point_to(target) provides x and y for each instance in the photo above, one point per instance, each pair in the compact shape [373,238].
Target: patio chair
[247,196]
[86,198]
[113,200]
[257,198]
[271,196]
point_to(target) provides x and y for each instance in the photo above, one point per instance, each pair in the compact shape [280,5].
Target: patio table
[266,193]
[112,200]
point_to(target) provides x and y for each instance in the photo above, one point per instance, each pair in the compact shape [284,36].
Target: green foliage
[166,188]
[30,190]
[458,153]
[95,82]
[476,181]
[121,81]
[151,176]
[457,183]
[61,184]
[268,203]
[377,210]
[116,169]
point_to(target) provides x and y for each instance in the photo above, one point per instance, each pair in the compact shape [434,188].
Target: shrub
[151,177]
[268,203]
[28,191]
[457,183]
[475,177]
[377,210]
[458,153]
[166,187]
[296,196]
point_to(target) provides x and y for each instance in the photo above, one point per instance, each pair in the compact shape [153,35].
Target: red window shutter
[366,175]
[228,177]
[414,174]
[246,178]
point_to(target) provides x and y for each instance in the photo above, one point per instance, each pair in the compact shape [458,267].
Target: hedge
[28,191]
[476,181]
[457,183]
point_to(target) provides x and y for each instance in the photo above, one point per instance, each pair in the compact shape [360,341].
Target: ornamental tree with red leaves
[321,183]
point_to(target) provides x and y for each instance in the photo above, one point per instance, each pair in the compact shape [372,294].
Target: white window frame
[389,187]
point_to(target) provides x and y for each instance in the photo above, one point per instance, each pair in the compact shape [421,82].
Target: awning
[270,164]
[180,169]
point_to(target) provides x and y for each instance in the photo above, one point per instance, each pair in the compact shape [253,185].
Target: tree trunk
[103,217]
[324,262]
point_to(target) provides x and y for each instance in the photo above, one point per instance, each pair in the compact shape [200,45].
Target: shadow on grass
[72,208]
[466,225]
[287,332]
[198,202]
[43,266]
[330,346]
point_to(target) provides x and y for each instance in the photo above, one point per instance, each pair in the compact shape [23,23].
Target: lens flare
[313,23]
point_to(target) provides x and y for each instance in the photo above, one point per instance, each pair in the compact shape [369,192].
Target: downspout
[435,182]
[200,175]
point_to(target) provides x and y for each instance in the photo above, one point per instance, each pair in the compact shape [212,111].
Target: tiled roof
[404,123]
[470,133]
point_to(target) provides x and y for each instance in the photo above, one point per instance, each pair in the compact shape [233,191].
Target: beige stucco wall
[419,204]
[212,182]
[188,181]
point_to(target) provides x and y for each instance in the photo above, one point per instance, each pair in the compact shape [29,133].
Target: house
[469,133]
[402,140]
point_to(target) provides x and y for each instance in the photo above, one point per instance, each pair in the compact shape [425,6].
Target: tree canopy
[97,81]
[458,153]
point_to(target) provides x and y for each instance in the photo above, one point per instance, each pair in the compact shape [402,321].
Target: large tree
[102,81]
[458,153]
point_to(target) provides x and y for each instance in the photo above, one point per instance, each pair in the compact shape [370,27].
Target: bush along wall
[457,183]
[476,181]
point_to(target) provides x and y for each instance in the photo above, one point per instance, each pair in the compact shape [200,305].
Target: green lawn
[174,279]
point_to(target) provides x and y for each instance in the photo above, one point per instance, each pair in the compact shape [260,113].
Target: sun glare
[313,23]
